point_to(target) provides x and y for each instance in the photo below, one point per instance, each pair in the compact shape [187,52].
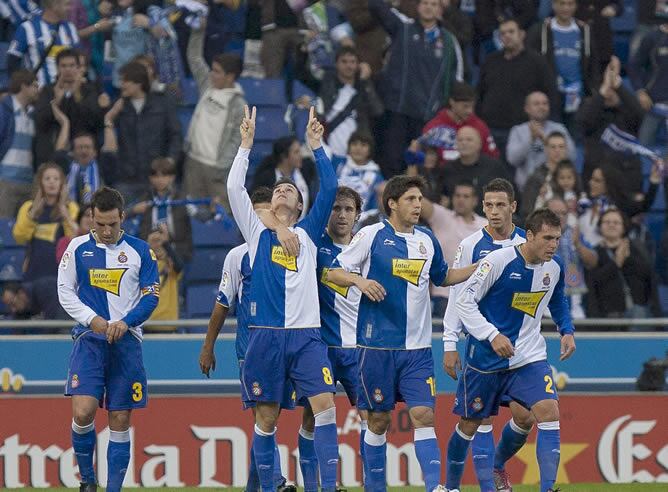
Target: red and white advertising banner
[205,441]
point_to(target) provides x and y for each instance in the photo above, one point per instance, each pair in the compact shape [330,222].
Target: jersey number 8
[327,375]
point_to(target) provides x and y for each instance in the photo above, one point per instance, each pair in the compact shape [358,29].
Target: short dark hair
[346,50]
[466,182]
[363,137]
[137,73]
[347,192]
[461,91]
[261,195]
[67,53]
[286,180]
[500,185]
[555,134]
[540,217]
[163,165]
[84,133]
[106,199]
[506,20]
[230,63]
[397,186]
[20,78]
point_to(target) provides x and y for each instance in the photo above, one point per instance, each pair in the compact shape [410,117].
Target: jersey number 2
[548,384]
[137,392]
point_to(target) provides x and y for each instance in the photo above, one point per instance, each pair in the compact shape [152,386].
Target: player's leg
[264,442]
[84,437]
[364,425]
[118,450]
[426,446]
[253,482]
[308,460]
[325,439]
[375,450]
[513,437]
[482,450]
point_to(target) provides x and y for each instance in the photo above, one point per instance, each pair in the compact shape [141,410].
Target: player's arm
[561,314]
[458,275]
[288,239]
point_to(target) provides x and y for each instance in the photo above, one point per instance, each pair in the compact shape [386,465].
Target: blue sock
[363,428]
[458,447]
[264,444]
[253,484]
[375,455]
[83,442]
[429,456]
[548,454]
[482,449]
[308,461]
[327,448]
[512,439]
[278,476]
[118,457]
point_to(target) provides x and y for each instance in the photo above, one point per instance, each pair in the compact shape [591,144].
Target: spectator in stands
[450,227]
[130,36]
[472,165]
[597,14]
[39,39]
[539,183]
[612,104]
[648,16]
[155,209]
[84,221]
[622,283]
[457,22]
[17,131]
[170,268]
[149,64]
[427,163]
[93,19]
[347,99]
[280,35]
[147,127]
[77,98]
[370,37]
[35,300]
[43,220]
[213,136]
[225,28]
[286,160]
[507,77]
[18,11]
[424,61]
[648,71]
[441,131]
[526,142]
[566,44]
[488,16]
[567,186]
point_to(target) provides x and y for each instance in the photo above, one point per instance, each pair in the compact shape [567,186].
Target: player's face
[544,243]
[286,195]
[107,225]
[51,182]
[343,216]
[537,106]
[498,209]
[464,200]
[409,206]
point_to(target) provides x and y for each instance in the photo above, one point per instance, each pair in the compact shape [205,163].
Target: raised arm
[196,62]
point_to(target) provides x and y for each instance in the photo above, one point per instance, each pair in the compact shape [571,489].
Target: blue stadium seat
[663,298]
[299,90]
[627,21]
[11,264]
[300,120]
[215,233]
[200,299]
[264,92]
[190,92]
[3,56]
[6,237]
[4,79]
[270,124]
[206,265]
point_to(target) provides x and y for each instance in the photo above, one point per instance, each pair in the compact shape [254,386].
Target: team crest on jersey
[256,390]
[408,270]
[527,302]
[546,280]
[422,249]
[378,395]
[342,291]
[75,381]
[122,257]
[477,404]
[107,279]
[280,257]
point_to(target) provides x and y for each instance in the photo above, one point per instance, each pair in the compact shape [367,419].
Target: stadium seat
[206,265]
[200,299]
[11,263]
[270,124]
[190,92]
[3,56]
[215,233]
[627,21]
[264,92]
[299,90]
[663,298]
[6,237]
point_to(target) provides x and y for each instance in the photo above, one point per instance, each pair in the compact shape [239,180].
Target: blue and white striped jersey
[472,249]
[235,288]
[284,291]
[117,282]
[508,295]
[34,36]
[403,263]
[17,11]
[338,305]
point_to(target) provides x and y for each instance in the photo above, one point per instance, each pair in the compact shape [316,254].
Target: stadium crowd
[147,96]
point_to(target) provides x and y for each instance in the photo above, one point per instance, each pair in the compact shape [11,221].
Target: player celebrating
[108,282]
[285,343]
[394,330]
[501,306]
[499,205]
[235,287]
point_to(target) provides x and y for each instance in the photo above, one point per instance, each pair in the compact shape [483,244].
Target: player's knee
[321,402]
[266,417]
[487,421]
[422,417]
[379,422]
[119,420]
[469,426]
[546,411]
[525,420]
[308,420]
[83,416]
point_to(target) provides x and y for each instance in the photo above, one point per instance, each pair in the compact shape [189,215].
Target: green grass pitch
[517,488]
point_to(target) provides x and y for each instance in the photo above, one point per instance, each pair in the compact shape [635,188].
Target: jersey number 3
[137,392]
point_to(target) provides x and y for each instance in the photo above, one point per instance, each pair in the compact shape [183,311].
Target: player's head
[107,205]
[402,199]
[345,212]
[543,228]
[286,196]
[498,203]
[261,198]
[464,198]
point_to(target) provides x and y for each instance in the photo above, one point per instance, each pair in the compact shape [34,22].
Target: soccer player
[285,343]
[501,307]
[397,260]
[499,206]
[108,282]
[235,287]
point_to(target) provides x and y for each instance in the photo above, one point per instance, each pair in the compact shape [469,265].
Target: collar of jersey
[98,243]
[387,221]
[513,233]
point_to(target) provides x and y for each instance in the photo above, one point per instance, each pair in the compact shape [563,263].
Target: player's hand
[370,288]
[289,241]
[207,360]
[452,364]
[99,324]
[567,346]
[247,127]
[502,346]
[314,130]
[116,330]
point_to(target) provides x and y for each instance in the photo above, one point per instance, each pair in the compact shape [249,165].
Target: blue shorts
[112,373]
[277,357]
[389,376]
[344,370]
[287,403]
[480,394]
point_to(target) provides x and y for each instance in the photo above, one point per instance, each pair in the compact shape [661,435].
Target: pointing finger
[311,113]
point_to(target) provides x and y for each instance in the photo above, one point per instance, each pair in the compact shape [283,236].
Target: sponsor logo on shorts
[256,390]
[477,404]
[75,381]
[122,257]
[378,396]
[107,279]
[527,302]
[408,270]
[280,257]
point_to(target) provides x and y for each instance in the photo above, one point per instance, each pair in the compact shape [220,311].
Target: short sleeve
[439,267]
[230,281]
[357,253]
